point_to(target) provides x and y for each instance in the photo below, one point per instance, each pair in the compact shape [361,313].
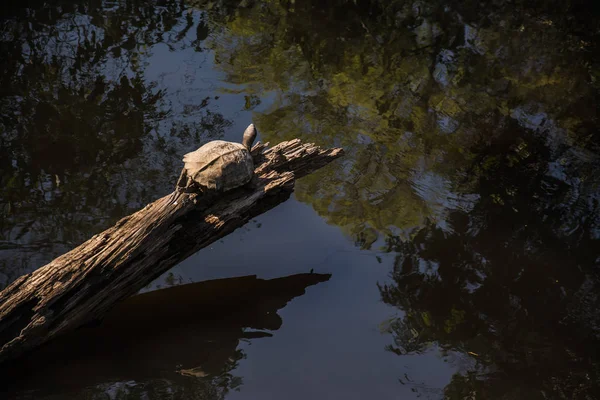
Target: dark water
[455,248]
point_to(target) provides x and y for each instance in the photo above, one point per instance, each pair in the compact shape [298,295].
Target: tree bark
[86,282]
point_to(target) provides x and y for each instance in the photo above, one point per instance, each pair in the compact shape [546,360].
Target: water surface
[454,249]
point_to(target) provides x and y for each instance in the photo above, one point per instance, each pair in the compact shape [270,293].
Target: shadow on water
[178,338]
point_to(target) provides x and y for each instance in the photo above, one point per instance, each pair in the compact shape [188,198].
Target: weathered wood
[86,282]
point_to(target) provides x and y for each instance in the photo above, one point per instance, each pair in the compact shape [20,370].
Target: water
[454,249]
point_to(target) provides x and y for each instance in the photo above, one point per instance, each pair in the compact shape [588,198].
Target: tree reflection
[182,341]
[412,90]
[472,142]
[510,285]
[85,137]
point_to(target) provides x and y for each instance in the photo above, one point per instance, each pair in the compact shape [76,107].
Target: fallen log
[88,281]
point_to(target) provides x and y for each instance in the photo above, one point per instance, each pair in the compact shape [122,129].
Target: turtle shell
[220,165]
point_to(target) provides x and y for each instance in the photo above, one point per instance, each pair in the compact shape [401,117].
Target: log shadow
[179,334]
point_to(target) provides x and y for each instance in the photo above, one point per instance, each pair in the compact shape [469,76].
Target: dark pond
[455,248]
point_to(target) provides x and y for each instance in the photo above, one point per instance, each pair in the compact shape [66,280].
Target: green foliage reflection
[471,132]
[413,90]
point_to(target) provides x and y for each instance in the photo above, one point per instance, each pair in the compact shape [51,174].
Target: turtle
[218,166]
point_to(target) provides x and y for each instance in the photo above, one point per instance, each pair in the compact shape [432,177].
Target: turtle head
[249,136]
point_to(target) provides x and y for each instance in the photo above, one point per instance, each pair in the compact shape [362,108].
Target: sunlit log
[86,282]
